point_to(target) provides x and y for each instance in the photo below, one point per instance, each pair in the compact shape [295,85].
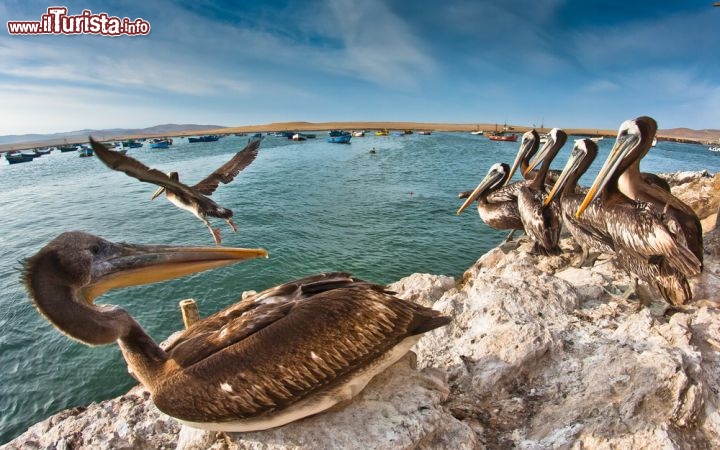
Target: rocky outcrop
[700,190]
[539,355]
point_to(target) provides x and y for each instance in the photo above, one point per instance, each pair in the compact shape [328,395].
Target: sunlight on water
[315,206]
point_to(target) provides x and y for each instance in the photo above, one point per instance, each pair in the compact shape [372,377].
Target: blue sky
[569,64]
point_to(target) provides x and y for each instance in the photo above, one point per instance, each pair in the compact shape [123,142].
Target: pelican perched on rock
[542,223]
[190,198]
[497,206]
[273,358]
[681,218]
[649,240]
[589,229]
[497,200]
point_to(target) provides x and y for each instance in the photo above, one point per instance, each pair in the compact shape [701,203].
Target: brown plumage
[497,204]
[648,241]
[191,198]
[275,357]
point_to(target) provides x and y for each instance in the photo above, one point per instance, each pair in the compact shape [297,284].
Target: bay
[314,206]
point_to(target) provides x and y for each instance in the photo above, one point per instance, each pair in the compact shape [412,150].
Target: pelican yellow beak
[623,145]
[572,163]
[126,265]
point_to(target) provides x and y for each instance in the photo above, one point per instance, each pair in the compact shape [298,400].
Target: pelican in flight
[649,239]
[273,358]
[589,229]
[542,223]
[190,198]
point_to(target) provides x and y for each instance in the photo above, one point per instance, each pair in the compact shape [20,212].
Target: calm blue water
[315,206]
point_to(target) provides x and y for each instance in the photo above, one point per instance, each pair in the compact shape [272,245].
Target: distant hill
[81,135]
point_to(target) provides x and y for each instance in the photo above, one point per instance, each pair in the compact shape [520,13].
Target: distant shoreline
[676,135]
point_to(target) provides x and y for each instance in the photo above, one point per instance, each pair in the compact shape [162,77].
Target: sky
[570,64]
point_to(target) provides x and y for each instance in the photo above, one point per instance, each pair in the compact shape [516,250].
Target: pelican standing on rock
[273,358]
[589,229]
[650,242]
[190,198]
[542,223]
[497,200]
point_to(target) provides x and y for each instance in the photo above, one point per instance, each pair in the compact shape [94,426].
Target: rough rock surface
[539,355]
[700,190]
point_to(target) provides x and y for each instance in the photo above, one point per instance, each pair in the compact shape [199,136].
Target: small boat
[16,158]
[131,144]
[407,131]
[477,132]
[206,138]
[714,149]
[502,136]
[342,139]
[67,148]
[240,134]
[298,137]
[358,133]
[425,133]
[159,143]
[382,133]
[257,135]
[39,152]
[84,152]
[337,133]
[597,139]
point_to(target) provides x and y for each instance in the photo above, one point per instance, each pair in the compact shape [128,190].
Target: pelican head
[528,146]
[173,176]
[583,150]
[65,277]
[633,141]
[556,139]
[495,178]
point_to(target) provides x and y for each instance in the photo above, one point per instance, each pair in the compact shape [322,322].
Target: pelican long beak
[570,166]
[623,145]
[525,148]
[491,178]
[157,193]
[133,265]
[540,155]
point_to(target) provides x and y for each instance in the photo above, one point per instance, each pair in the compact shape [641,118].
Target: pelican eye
[94,249]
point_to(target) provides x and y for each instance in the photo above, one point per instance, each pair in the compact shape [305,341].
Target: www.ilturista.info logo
[56,21]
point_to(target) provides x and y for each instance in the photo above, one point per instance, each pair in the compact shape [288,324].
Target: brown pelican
[542,223]
[589,229]
[497,202]
[649,241]
[190,198]
[497,206]
[685,222]
[273,358]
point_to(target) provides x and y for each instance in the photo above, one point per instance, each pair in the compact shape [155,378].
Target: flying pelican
[648,241]
[497,201]
[589,229]
[190,198]
[273,358]
[542,223]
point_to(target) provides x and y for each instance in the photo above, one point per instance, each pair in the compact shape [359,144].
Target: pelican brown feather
[274,357]
[192,198]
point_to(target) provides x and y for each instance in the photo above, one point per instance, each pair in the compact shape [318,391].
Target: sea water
[313,205]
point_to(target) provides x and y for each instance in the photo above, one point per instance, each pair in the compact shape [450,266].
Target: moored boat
[84,152]
[206,138]
[381,133]
[425,133]
[342,139]
[502,136]
[67,148]
[298,137]
[16,158]
[159,143]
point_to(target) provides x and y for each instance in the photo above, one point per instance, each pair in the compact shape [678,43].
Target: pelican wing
[135,168]
[643,231]
[321,336]
[228,171]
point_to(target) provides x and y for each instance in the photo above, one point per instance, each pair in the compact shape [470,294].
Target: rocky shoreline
[539,355]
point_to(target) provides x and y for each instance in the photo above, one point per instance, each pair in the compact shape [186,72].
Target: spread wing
[228,171]
[135,168]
